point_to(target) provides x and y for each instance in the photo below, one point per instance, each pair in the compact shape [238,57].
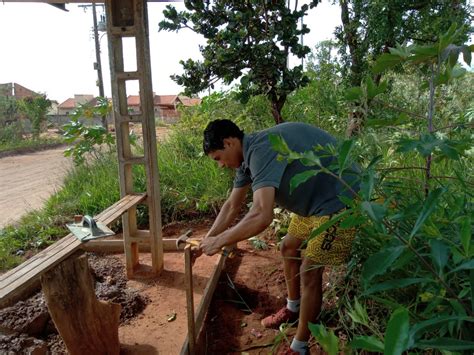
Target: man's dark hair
[215,133]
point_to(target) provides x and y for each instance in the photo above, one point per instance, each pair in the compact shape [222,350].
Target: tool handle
[228,252]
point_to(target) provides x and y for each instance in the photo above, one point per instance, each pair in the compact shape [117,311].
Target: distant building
[165,106]
[68,106]
[16,91]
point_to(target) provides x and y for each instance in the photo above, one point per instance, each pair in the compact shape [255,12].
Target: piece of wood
[205,302]
[127,18]
[188,277]
[87,325]
[116,246]
[20,282]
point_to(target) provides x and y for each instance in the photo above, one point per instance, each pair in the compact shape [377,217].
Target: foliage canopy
[250,40]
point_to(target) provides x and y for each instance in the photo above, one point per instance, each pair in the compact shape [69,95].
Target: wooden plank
[188,279]
[134,118]
[149,133]
[14,289]
[134,160]
[116,246]
[205,301]
[127,75]
[24,278]
[120,207]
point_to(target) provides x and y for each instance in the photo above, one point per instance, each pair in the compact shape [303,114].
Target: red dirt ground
[255,277]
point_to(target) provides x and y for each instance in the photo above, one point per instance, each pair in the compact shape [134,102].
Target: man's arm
[255,221]
[229,211]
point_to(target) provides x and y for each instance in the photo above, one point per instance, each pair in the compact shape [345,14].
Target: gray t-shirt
[318,195]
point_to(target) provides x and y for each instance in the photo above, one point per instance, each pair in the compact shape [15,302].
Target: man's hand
[211,245]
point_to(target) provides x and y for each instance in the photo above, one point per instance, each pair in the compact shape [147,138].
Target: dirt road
[27,180]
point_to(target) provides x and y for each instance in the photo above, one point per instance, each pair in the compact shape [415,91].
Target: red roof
[165,100]
[133,100]
[69,103]
[190,101]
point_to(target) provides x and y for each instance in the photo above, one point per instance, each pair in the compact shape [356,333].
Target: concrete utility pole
[98,63]
[100,82]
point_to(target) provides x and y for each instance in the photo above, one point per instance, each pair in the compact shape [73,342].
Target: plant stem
[430,126]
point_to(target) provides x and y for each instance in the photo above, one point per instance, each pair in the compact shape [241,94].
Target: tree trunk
[87,325]
[277,105]
[350,27]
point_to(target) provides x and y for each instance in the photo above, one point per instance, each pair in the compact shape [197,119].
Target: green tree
[250,40]
[8,109]
[35,108]
[370,28]
[10,125]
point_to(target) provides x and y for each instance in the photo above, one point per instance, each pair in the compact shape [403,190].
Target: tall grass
[191,185]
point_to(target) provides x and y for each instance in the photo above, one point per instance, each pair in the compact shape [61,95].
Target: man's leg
[312,297]
[291,265]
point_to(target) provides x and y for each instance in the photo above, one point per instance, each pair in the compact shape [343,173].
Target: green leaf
[386,61]
[278,144]
[466,54]
[367,187]
[396,335]
[375,161]
[358,314]
[300,178]
[383,86]
[466,234]
[445,344]
[468,265]
[428,208]
[400,51]
[424,54]
[392,284]
[353,220]
[430,324]
[327,340]
[353,94]
[374,210]
[439,254]
[378,263]
[344,154]
[369,343]
[371,87]
[471,281]
[448,37]
[328,224]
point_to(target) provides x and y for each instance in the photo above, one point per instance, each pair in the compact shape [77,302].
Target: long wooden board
[18,282]
[205,302]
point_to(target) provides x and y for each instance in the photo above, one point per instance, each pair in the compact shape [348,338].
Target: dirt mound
[27,325]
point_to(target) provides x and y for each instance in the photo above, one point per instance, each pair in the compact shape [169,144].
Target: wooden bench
[17,283]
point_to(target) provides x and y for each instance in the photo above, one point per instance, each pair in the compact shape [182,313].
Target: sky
[52,51]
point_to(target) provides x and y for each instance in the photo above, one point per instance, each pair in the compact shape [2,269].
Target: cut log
[87,325]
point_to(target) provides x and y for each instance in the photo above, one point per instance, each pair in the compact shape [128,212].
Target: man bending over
[312,203]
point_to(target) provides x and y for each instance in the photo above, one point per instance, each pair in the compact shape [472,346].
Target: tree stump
[87,325]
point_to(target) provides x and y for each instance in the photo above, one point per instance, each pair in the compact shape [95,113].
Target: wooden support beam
[116,246]
[205,302]
[87,325]
[188,277]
